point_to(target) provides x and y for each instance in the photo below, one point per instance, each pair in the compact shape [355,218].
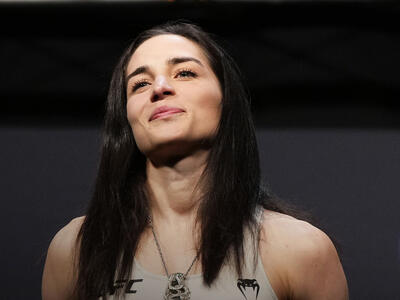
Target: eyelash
[188,71]
[138,84]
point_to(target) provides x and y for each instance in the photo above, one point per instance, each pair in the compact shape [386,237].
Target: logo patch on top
[249,288]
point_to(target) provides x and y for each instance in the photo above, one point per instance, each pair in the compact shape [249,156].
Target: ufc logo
[126,284]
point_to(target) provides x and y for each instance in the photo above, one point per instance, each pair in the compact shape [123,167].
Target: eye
[186,73]
[139,84]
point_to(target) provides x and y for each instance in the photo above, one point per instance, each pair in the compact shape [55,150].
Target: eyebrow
[171,61]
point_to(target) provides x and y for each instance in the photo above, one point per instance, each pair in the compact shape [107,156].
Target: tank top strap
[250,244]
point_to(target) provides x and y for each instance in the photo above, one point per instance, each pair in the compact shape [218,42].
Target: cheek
[209,104]
[134,114]
[133,110]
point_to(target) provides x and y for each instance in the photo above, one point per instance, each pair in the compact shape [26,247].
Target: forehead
[160,48]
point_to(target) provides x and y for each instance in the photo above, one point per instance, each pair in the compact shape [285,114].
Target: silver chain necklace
[176,289]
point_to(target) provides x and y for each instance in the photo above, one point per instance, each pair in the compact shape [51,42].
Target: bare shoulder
[66,236]
[292,233]
[58,278]
[302,259]
[63,243]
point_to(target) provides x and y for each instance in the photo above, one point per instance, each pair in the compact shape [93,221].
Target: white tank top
[253,285]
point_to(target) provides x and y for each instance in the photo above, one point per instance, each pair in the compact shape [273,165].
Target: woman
[178,211]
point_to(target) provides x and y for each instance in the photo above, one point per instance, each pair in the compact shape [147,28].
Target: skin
[298,258]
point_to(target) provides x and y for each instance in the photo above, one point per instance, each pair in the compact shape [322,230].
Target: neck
[173,189]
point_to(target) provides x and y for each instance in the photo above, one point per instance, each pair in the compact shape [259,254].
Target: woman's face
[173,96]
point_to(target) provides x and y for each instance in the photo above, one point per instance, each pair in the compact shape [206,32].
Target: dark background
[324,80]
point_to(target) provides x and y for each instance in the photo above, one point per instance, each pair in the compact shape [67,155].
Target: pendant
[177,290]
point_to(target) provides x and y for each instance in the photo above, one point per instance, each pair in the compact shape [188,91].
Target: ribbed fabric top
[254,284]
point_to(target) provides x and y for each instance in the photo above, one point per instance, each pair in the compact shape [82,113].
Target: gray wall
[347,177]
[325,89]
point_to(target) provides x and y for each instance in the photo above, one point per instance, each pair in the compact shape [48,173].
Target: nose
[161,88]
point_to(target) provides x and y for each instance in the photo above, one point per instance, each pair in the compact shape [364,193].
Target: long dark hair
[231,186]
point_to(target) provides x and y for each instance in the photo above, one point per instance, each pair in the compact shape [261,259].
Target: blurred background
[325,86]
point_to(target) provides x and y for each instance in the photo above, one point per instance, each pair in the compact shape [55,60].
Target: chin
[162,140]
[168,135]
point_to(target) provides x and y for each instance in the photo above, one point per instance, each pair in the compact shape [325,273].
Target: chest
[145,285]
[176,255]
[150,281]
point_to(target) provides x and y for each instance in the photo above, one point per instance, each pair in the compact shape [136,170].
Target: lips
[164,111]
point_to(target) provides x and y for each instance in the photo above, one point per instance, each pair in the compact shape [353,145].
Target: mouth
[164,111]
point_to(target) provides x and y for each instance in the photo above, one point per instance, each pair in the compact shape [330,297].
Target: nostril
[158,95]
